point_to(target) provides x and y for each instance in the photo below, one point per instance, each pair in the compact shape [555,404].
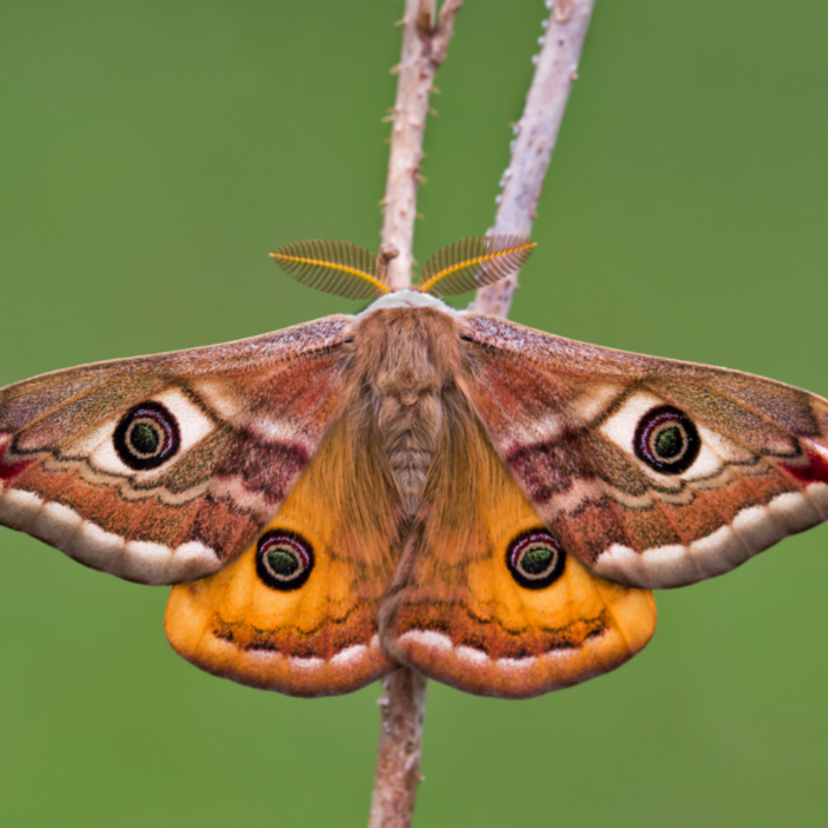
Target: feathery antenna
[472,263]
[345,269]
[341,268]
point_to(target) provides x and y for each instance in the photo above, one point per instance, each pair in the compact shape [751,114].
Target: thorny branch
[535,135]
[425,44]
[400,747]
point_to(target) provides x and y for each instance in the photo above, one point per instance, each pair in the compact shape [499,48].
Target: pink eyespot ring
[284,560]
[147,436]
[667,440]
[535,559]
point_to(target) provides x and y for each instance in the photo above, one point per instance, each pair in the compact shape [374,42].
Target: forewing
[297,611]
[240,422]
[578,426]
[484,599]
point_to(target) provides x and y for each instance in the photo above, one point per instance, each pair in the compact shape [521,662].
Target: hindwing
[486,599]
[297,611]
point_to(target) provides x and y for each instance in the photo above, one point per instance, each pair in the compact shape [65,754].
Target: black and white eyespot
[535,559]
[666,440]
[284,560]
[147,436]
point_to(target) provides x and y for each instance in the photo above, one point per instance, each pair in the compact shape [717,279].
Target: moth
[411,485]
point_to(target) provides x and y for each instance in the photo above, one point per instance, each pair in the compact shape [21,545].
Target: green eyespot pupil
[667,440]
[669,443]
[282,562]
[536,560]
[145,438]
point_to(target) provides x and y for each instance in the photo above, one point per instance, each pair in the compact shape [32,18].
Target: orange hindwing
[487,600]
[296,612]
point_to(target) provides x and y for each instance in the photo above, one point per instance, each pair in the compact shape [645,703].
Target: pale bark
[400,746]
[425,44]
[535,136]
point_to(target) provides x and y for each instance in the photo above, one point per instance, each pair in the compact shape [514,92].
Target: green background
[152,153]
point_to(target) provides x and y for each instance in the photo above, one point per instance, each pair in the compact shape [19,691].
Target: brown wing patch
[243,420]
[314,632]
[457,611]
[570,422]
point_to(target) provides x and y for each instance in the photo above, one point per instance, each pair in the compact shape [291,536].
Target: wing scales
[321,637]
[455,610]
[63,482]
[563,417]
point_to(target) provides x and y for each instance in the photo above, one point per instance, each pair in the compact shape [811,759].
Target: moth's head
[347,270]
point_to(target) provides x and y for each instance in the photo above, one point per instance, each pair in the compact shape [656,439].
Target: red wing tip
[815,467]
[8,471]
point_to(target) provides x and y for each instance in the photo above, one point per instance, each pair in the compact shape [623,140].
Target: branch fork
[425,45]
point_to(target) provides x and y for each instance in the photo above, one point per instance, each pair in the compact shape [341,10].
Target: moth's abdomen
[410,463]
[409,424]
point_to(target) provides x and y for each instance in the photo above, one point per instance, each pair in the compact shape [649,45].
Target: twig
[400,746]
[425,45]
[535,136]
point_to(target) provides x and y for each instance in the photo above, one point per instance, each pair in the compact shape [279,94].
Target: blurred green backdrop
[151,154]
